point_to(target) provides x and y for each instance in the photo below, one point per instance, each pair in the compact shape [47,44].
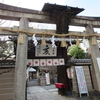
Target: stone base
[42,81]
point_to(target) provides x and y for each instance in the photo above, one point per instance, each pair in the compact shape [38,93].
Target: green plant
[6,49]
[77,52]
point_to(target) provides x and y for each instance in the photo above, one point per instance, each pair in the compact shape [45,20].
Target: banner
[61,62]
[36,62]
[42,62]
[29,62]
[49,62]
[55,62]
[45,62]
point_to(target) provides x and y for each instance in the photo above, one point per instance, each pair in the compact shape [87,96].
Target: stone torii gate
[24,16]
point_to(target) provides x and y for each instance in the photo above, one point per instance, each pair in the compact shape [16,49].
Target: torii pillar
[21,62]
[95,54]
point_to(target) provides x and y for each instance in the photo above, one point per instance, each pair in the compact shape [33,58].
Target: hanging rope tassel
[43,40]
[20,38]
[77,41]
[63,43]
[70,41]
[94,42]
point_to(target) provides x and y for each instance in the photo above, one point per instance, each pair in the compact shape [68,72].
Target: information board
[81,80]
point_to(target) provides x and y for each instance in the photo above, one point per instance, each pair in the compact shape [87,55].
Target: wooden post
[21,62]
[95,54]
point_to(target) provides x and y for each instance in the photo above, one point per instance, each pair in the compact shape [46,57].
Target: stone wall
[6,84]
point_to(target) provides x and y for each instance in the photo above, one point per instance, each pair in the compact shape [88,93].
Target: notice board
[81,80]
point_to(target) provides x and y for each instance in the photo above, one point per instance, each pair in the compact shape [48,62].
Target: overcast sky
[92,7]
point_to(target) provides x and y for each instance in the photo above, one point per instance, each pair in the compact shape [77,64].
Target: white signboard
[47,78]
[45,50]
[81,80]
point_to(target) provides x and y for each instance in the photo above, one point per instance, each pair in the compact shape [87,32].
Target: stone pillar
[21,62]
[95,54]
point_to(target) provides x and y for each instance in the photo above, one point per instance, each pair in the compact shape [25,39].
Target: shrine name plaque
[45,50]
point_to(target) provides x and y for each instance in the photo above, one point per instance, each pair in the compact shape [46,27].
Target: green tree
[77,52]
[6,49]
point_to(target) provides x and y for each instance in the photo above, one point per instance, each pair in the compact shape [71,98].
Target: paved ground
[35,92]
[39,93]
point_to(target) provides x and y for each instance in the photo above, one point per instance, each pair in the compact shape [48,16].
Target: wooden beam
[8,12]
[83,21]
[33,17]
[43,17]
[17,9]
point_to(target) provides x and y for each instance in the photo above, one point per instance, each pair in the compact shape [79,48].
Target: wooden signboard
[45,51]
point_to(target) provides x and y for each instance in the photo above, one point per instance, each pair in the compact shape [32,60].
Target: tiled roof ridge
[80,60]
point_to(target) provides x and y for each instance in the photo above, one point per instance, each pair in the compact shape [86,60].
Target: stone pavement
[35,92]
[43,93]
